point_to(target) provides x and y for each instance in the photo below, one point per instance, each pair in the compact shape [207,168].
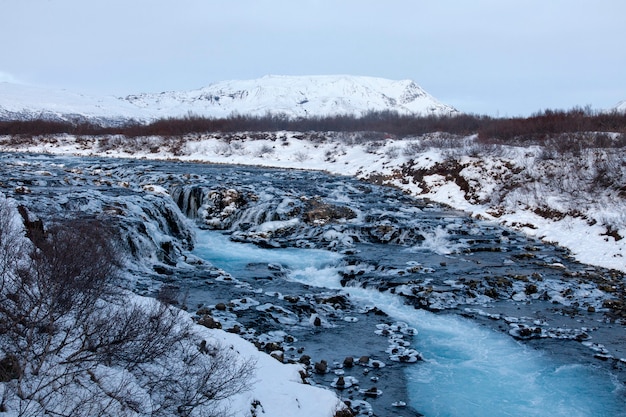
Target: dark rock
[492,292]
[321,367]
[531,289]
[304,376]
[236,329]
[377,312]
[162,270]
[272,346]
[346,412]
[384,233]
[203,311]
[291,298]
[348,362]
[209,322]
[337,301]
[302,308]
[372,392]
[317,212]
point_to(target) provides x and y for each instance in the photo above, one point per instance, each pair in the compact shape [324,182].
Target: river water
[468,370]
[487,322]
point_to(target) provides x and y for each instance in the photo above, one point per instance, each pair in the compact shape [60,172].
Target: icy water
[468,370]
[312,236]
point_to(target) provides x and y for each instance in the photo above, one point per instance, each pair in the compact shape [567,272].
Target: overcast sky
[497,57]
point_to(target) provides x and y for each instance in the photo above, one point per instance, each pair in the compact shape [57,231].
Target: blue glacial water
[469,370]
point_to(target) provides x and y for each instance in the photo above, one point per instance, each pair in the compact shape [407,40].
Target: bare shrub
[264,150]
[72,343]
[223,149]
[176,146]
[76,264]
[301,156]
[412,148]
[373,147]
[210,373]
[478,149]
[12,243]
[238,147]
[392,152]
[370,126]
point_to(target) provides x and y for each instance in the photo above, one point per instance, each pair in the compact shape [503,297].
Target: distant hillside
[310,96]
[25,102]
[297,96]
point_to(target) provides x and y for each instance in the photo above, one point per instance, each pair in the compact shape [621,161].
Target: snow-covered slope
[298,96]
[294,96]
[24,102]
[621,106]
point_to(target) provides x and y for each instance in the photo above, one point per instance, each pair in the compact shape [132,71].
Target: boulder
[372,392]
[348,362]
[209,322]
[318,212]
[321,367]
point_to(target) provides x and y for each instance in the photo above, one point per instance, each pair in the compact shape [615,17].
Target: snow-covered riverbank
[574,199]
[70,387]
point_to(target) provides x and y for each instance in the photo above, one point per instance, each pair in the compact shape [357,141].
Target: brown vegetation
[540,127]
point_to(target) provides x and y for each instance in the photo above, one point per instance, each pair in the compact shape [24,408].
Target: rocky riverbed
[177,222]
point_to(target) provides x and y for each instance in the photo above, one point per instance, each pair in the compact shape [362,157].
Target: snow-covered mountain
[621,106]
[25,102]
[295,96]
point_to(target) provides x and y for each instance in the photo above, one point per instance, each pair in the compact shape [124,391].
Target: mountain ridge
[293,96]
[300,96]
